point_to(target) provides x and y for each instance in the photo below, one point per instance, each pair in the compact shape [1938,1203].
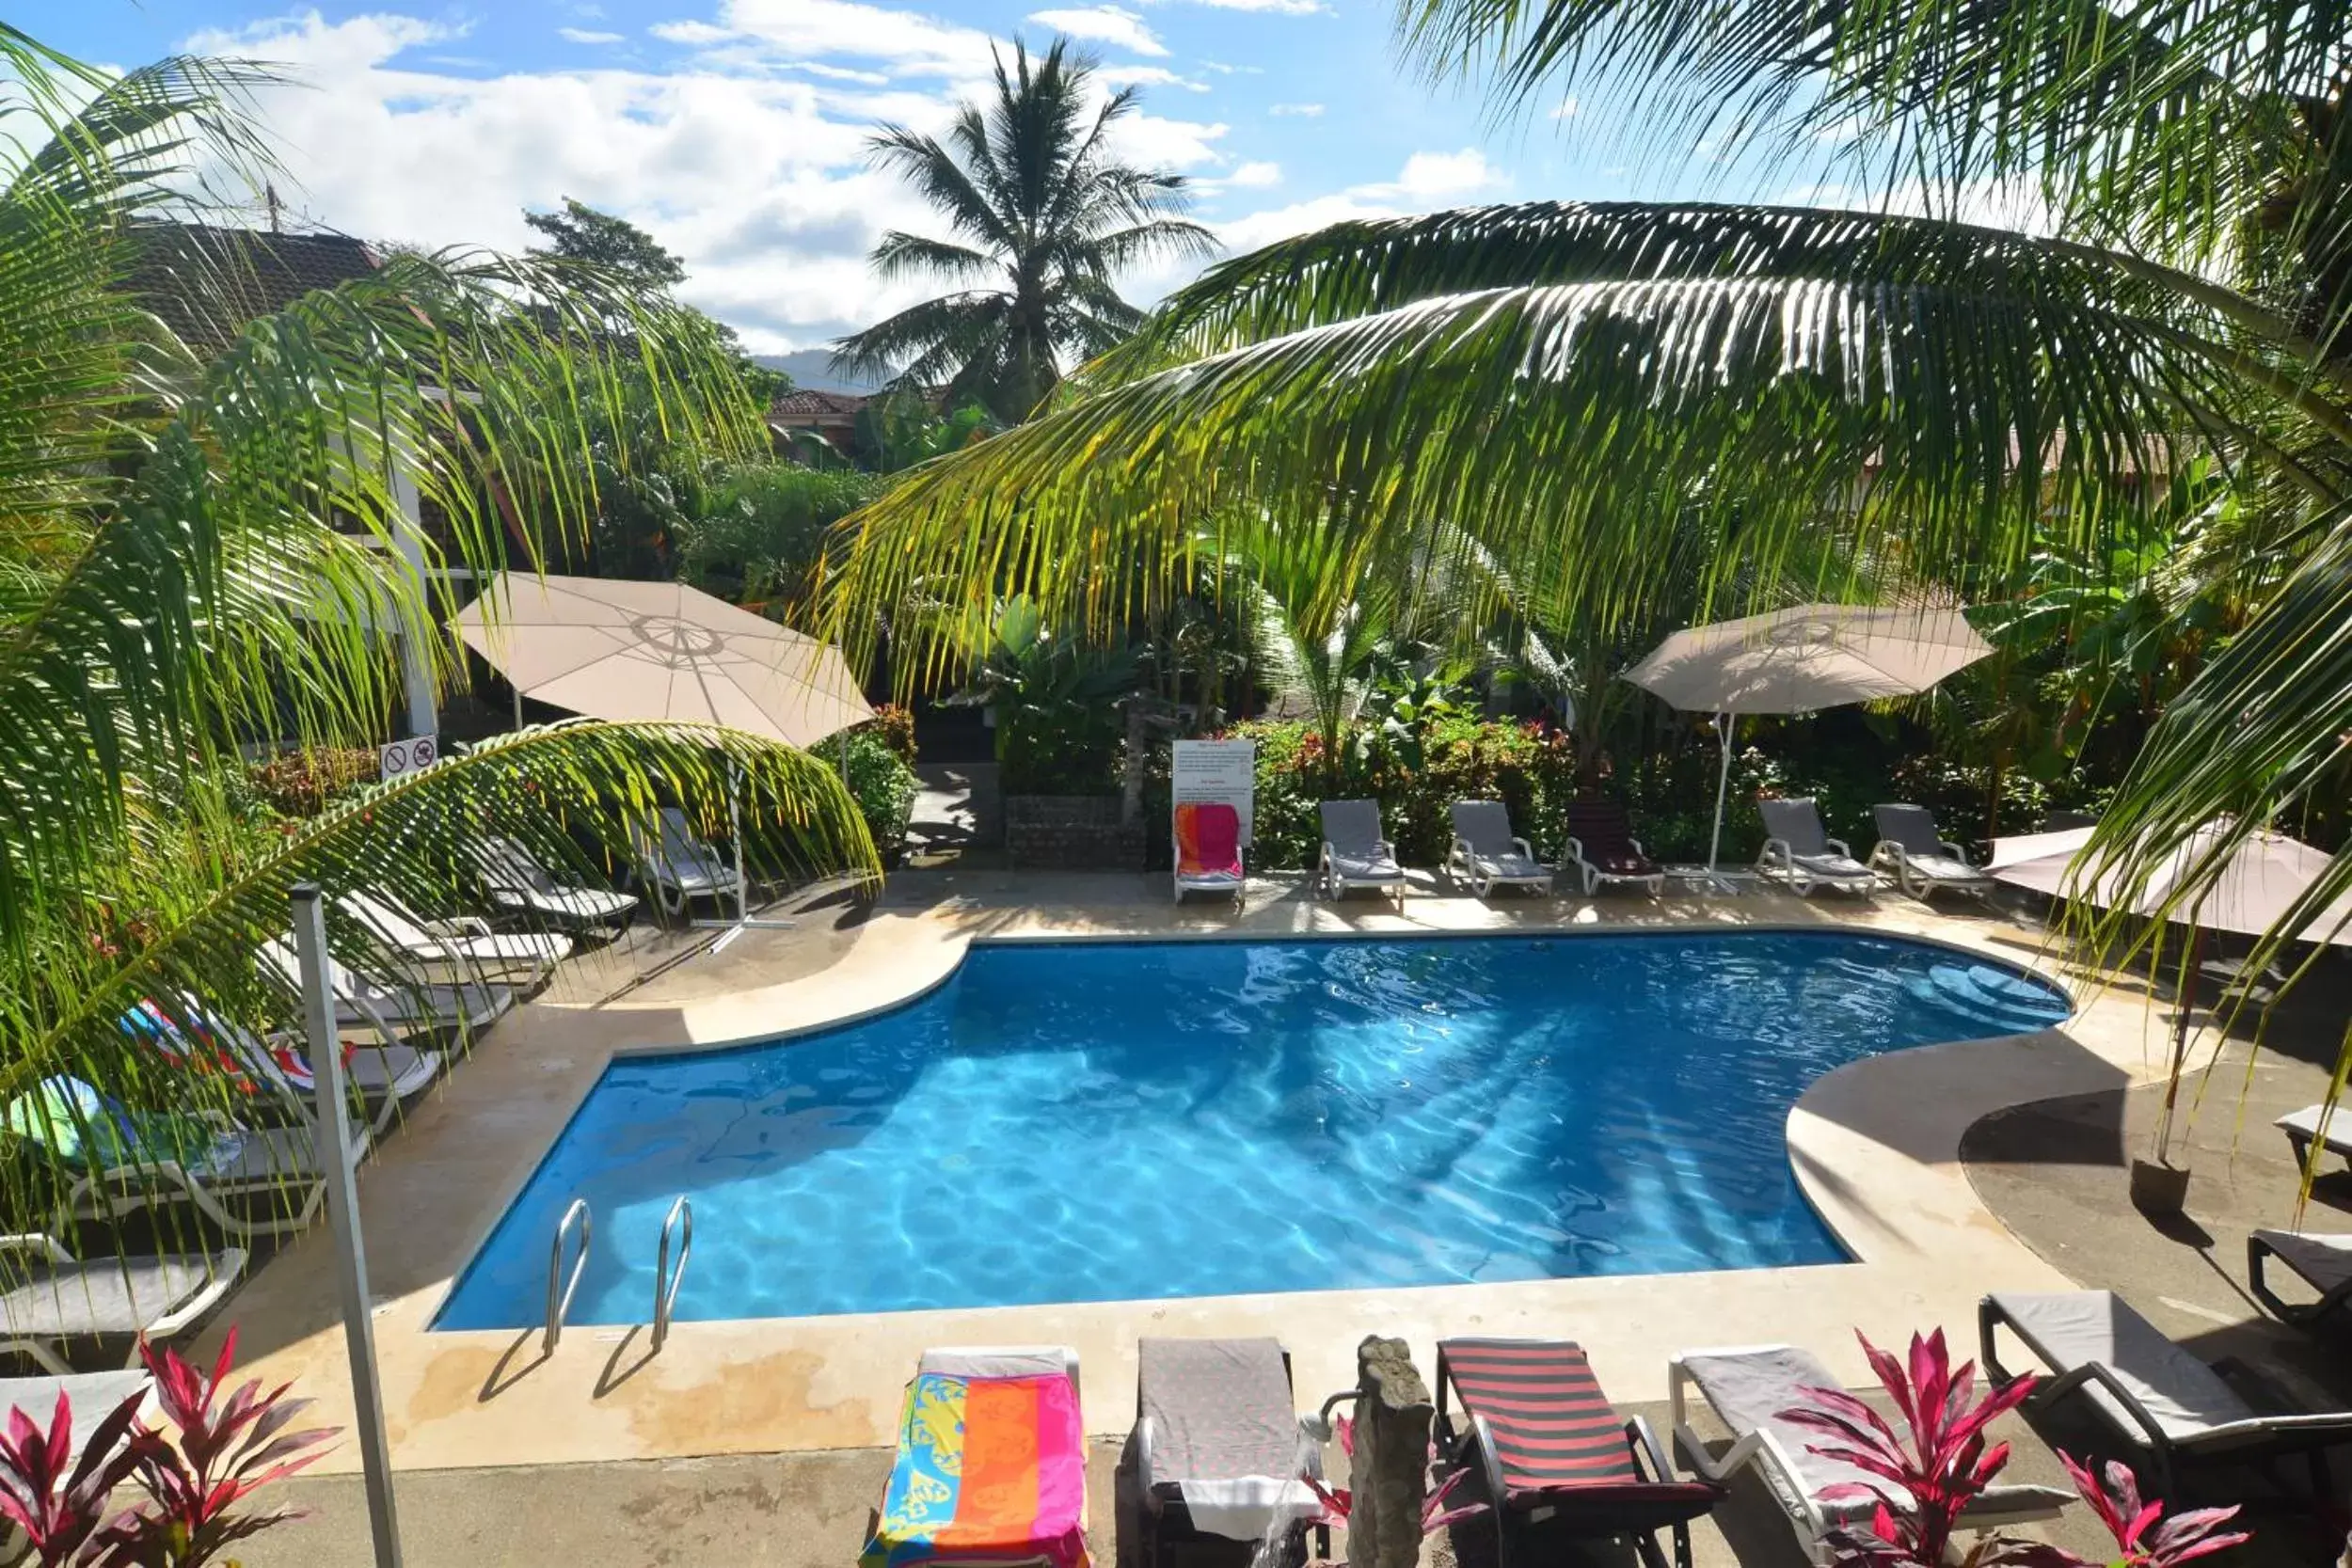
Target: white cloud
[1302,111]
[1122,29]
[581,35]
[1224,70]
[733,156]
[691,33]
[1256,174]
[1567,109]
[1283,8]
[1428,181]
[1147,76]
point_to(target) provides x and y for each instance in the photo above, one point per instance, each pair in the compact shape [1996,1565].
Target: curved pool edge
[1875,1146]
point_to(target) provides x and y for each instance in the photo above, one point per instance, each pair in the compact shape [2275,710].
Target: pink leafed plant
[221,1453]
[2147,1538]
[211,1455]
[58,1512]
[1337,1500]
[1929,1474]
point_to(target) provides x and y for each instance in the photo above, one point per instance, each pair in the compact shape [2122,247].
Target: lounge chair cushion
[1224,1438]
[1557,1436]
[1913,827]
[1834,868]
[2076,1328]
[1749,1389]
[1370,867]
[1602,831]
[2324,1261]
[2303,1127]
[107,1295]
[1943,868]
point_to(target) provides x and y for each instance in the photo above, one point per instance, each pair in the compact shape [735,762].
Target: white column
[416,668]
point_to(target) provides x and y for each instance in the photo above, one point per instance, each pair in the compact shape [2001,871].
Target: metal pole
[734,834]
[1723,722]
[333,1126]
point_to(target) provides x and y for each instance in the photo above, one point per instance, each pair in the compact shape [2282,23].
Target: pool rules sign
[1216,770]
[404,757]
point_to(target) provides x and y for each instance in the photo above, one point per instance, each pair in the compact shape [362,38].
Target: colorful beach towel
[1208,839]
[987,1470]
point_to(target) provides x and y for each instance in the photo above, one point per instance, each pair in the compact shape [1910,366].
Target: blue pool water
[1109,1121]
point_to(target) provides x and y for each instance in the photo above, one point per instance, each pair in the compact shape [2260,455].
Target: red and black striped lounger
[1552,1450]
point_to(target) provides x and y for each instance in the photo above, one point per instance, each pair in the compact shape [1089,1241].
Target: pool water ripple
[1109,1121]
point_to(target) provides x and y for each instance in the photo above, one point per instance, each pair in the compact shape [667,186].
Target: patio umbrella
[2259,881]
[661,652]
[1816,656]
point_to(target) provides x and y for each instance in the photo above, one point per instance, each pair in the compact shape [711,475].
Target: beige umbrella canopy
[2261,880]
[1816,656]
[653,652]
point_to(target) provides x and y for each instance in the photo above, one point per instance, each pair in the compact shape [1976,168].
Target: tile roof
[207,283]
[806,405]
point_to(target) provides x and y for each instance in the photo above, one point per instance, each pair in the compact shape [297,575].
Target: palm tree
[1045,217]
[1557,381]
[195,552]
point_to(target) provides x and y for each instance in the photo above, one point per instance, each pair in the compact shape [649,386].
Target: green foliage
[901,428]
[304,783]
[1044,217]
[584,233]
[757,531]
[881,781]
[1056,704]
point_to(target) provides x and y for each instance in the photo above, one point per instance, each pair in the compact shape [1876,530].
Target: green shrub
[896,725]
[304,783]
[883,786]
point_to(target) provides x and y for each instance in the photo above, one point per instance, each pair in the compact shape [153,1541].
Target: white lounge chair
[2323,1262]
[2147,1390]
[1208,856]
[679,866]
[53,1298]
[1801,855]
[2314,1124]
[1355,852]
[124,1162]
[1748,1387]
[466,943]
[516,881]
[1487,854]
[1920,858]
[394,1011]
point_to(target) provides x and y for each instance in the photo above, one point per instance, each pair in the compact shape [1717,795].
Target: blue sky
[733,129]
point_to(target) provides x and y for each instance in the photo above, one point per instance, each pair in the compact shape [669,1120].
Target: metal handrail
[682,1218]
[560,1299]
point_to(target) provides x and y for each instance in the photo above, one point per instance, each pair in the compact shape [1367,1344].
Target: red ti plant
[220,1453]
[1928,1475]
[2183,1538]
[1337,1500]
[59,1513]
[194,1472]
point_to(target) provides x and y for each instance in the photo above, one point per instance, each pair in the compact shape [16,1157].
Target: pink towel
[1208,839]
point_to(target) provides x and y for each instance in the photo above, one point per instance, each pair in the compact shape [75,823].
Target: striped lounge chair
[1553,1453]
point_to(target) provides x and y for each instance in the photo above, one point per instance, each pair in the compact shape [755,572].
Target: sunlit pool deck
[1875,1145]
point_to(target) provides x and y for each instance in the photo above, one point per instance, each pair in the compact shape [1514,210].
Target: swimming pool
[1105,1121]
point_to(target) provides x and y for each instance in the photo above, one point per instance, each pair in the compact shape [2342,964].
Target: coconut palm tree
[1557,380]
[1044,216]
[197,549]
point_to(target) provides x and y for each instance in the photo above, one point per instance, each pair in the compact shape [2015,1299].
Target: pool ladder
[560,1289]
[562,1285]
[665,1279]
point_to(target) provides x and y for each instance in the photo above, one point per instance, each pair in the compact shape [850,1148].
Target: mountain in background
[809,368]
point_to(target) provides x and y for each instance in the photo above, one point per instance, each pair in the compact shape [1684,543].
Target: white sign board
[404,757]
[1223,770]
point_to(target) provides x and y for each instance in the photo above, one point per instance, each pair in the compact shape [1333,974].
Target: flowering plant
[214,1455]
[1337,1500]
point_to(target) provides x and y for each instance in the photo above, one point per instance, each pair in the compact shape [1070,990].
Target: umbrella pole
[1723,722]
[2179,1040]
[729,929]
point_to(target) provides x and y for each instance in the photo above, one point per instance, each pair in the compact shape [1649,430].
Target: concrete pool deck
[1876,1145]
